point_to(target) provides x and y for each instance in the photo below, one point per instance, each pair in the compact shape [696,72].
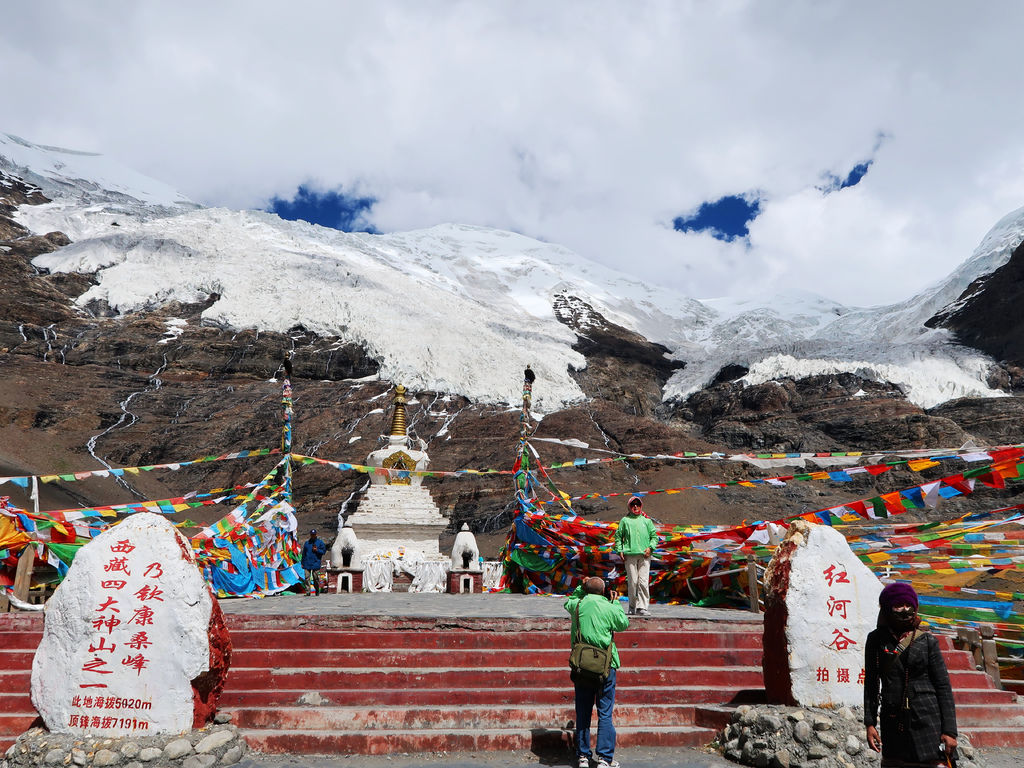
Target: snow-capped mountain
[464,309]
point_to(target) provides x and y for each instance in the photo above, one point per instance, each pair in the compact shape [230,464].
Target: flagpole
[286,426]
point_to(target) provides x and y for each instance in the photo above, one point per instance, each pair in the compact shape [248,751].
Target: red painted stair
[374,685]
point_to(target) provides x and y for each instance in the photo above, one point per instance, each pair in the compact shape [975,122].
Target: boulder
[133,640]
[820,604]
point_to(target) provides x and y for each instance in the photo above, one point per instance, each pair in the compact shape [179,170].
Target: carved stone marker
[820,603]
[133,640]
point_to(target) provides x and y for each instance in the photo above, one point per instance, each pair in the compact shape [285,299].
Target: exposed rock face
[622,366]
[988,314]
[84,385]
[819,413]
[129,630]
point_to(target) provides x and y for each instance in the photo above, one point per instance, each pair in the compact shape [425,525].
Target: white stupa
[397,514]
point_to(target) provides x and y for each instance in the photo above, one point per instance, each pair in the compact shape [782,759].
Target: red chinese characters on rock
[837,605]
[842,675]
[124,620]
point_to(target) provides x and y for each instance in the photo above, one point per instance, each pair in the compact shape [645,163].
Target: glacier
[463,309]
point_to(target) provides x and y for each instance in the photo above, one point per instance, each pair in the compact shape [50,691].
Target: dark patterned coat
[912,734]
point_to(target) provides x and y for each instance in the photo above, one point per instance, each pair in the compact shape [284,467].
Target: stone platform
[390,673]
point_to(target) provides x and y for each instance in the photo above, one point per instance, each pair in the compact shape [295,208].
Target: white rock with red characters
[133,642]
[820,603]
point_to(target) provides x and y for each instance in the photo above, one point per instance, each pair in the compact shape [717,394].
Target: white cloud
[590,124]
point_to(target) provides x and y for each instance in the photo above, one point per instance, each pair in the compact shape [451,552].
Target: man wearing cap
[635,540]
[595,620]
[312,555]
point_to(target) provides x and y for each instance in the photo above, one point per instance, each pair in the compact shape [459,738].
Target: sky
[859,150]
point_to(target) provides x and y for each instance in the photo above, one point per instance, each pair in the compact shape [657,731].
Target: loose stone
[178,748]
[106,757]
[215,740]
[232,756]
[769,723]
[199,761]
[54,756]
[817,752]
[828,738]
[149,754]
[822,724]
[853,745]
[130,749]
[802,731]
[222,717]
[780,759]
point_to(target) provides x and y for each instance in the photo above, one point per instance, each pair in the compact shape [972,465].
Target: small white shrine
[398,514]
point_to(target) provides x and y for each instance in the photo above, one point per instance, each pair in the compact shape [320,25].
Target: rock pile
[772,736]
[216,745]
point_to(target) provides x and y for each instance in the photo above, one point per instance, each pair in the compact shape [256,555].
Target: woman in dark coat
[917,711]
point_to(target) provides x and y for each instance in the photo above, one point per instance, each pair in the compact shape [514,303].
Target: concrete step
[17,722]
[12,638]
[471,697]
[16,701]
[522,628]
[291,639]
[970,678]
[982,696]
[449,678]
[380,742]
[15,659]
[353,718]
[968,715]
[994,736]
[477,658]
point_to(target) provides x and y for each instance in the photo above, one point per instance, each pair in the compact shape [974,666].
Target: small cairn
[775,736]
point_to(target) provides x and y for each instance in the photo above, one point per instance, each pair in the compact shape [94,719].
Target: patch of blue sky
[835,183]
[724,219]
[333,208]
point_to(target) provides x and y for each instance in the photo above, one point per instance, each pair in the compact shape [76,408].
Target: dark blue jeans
[585,698]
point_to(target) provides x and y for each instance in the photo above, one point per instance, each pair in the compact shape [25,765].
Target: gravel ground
[634,757]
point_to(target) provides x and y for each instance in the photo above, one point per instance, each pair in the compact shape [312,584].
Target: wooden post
[23,574]
[989,654]
[961,642]
[974,646]
[5,604]
[752,587]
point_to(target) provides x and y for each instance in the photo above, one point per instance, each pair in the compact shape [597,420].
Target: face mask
[904,618]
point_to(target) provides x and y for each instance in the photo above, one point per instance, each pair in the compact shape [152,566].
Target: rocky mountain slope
[137,328]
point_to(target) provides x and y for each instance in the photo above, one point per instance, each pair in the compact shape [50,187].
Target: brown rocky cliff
[80,385]
[989,315]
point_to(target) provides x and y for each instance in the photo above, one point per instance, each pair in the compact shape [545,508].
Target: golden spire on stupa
[398,417]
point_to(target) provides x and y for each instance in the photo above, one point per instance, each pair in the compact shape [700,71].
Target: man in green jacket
[635,540]
[598,619]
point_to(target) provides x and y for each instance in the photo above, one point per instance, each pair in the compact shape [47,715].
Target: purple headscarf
[896,593]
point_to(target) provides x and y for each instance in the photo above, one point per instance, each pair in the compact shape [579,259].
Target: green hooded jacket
[635,534]
[599,617]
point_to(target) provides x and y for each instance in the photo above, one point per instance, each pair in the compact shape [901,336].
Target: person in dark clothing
[312,555]
[918,717]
